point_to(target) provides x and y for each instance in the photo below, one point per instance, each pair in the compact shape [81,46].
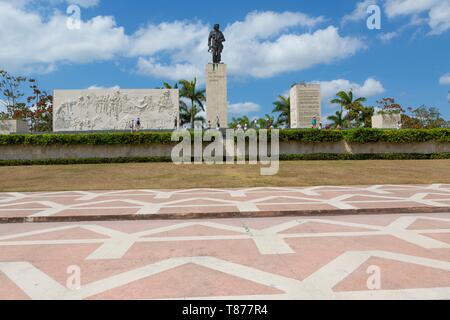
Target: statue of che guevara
[215,43]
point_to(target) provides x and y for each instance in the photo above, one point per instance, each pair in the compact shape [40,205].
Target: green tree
[426,118]
[11,97]
[41,108]
[196,97]
[239,121]
[267,122]
[283,108]
[389,106]
[338,120]
[357,114]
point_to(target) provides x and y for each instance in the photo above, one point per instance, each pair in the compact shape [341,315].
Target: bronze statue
[215,43]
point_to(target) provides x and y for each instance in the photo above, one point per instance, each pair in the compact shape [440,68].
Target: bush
[301,135]
[303,157]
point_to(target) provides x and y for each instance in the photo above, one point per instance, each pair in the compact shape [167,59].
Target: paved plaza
[330,250]
[241,258]
[212,203]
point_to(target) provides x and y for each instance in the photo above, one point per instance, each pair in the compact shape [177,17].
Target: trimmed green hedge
[304,157]
[86,139]
[397,136]
[305,136]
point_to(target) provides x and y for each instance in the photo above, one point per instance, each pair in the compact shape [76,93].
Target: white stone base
[14,126]
[387,121]
[216,94]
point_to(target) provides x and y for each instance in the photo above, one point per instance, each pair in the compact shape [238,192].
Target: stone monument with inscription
[387,121]
[14,127]
[216,94]
[216,81]
[305,105]
[102,110]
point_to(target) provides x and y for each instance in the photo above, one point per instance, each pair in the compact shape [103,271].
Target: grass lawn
[169,176]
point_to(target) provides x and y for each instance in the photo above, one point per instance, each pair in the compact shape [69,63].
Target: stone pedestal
[387,121]
[305,104]
[216,94]
[14,126]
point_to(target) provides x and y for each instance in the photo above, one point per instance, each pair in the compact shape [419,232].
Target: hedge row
[305,157]
[366,135]
[305,136]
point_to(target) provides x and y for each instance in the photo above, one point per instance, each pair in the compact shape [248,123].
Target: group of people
[319,125]
[135,125]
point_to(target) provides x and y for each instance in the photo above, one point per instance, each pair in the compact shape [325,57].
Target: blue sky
[270,45]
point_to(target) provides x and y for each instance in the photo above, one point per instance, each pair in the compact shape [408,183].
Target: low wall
[33,152]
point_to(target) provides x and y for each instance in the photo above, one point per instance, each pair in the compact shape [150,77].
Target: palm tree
[283,107]
[354,107]
[345,100]
[197,97]
[338,120]
[267,122]
[186,114]
[242,121]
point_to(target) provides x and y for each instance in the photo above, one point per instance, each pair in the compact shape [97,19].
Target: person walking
[314,122]
[138,124]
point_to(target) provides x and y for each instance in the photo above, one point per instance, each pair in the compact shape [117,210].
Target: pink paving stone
[284,199]
[310,253]
[108,204]
[317,252]
[295,207]
[144,198]
[440,195]
[199,209]
[423,224]
[317,227]
[9,290]
[377,220]
[96,212]
[49,253]
[386,205]
[444,237]
[369,198]
[25,205]
[187,281]
[69,234]
[396,275]
[196,202]
[18,213]
[238,251]
[196,231]
[55,199]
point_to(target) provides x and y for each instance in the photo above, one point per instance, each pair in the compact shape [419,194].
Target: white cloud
[253,48]
[437,12]
[360,12]
[258,46]
[370,88]
[263,25]
[263,45]
[439,18]
[445,79]
[168,37]
[81,3]
[95,87]
[244,108]
[175,71]
[29,42]
[84,3]
[289,52]
[387,37]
